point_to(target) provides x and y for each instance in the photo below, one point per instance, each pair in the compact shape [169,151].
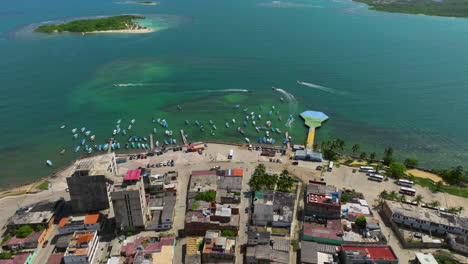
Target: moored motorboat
[155,130]
[268,123]
[214,127]
[233,121]
[62,126]
[132,121]
[90,150]
[245,123]
[186,122]
[76,149]
[87,133]
[75,136]
[129,127]
[82,141]
[73,131]
[133,144]
[247,140]
[82,129]
[49,163]
[227,124]
[124,132]
[92,137]
[197,122]
[62,151]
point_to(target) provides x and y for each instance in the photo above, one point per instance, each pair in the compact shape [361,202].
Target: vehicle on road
[45,244]
[319,168]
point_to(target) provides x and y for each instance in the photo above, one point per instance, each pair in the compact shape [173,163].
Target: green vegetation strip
[99,24]
[450,189]
[450,8]
[43,186]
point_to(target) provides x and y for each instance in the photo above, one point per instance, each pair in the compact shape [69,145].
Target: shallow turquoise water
[390,79]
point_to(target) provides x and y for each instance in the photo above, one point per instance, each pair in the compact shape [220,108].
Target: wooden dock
[184,139]
[288,142]
[151,142]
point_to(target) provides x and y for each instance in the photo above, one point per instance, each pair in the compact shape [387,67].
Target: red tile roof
[204,173]
[92,219]
[132,175]
[33,237]
[331,231]
[55,259]
[374,252]
[84,238]
[234,172]
[63,222]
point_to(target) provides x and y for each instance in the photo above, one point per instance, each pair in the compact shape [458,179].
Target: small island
[447,8]
[114,24]
[146,3]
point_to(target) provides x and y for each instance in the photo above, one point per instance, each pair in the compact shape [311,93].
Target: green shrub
[228,233]
[208,196]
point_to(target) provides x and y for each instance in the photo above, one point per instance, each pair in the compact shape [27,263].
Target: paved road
[42,254]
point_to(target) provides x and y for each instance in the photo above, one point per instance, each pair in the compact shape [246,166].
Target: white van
[231,153]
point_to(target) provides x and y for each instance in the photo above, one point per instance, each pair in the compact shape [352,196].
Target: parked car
[319,168]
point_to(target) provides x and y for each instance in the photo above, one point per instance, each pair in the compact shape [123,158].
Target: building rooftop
[273,206]
[265,252]
[234,172]
[322,199]
[38,213]
[204,173]
[78,245]
[55,259]
[332,230]
[200,217]
[31,238]
[355,208]
[258,235]
[321,189]
[425,258]
[429,215]
[192,245]
[280,244]
[97,165]
[132,175]
[369,252]
[166,255]
[16,259]
[229,183]
[214,242]
[92,219]
[310,251]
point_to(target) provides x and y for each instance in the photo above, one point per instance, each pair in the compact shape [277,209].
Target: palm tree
[434,203]
[388,152]
[284,173]
[363,155]
[401,198]
[439,186]
[339,143]
[383,195]
[392,196]
[372,156]
[285,183]
[419,198]
[356,148]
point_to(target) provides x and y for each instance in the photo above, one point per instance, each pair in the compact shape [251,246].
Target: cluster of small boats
[86,138]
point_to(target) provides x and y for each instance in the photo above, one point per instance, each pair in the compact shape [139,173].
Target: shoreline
[55,175]
[126,31]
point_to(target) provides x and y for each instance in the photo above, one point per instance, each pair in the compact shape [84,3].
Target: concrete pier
[151,142]
[184,139]
[310,138]
[288,142]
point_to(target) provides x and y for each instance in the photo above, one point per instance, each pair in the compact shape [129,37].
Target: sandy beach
[126,31]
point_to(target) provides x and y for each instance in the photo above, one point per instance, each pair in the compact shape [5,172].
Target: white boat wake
[289,97]
[325,89]
[129,84]
[229,90]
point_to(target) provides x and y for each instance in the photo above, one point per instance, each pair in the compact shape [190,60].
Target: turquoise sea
[385,80]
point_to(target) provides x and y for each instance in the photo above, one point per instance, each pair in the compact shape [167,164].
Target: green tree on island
[98,24]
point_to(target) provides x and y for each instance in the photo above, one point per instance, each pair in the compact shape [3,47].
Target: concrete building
[330,233]
[363,254]
[315,253]
[266,254]
[308,155]
[213,218]
[68,225]
[322,202]
[21,258]
[230,180]
[258,238]
[41,214]
[161,212]
[429,220]
[273,208]
[193,255]
[218,249]
[129,202]
[30,242]
[161,185]
[424,258]
[82,248]
[88,185]
[202,181]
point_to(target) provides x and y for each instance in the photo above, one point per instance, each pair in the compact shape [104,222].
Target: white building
[82,248]
[430,220]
